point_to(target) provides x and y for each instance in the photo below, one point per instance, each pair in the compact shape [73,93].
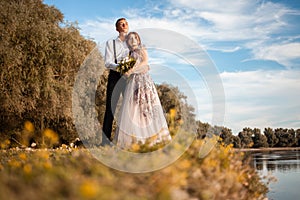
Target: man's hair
[119,20]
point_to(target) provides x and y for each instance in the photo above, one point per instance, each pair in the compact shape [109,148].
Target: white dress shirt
[121,52]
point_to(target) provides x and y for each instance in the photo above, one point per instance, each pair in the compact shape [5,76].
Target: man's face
[122,26]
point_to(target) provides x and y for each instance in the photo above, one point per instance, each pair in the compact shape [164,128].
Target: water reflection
[284,165]
[283,161]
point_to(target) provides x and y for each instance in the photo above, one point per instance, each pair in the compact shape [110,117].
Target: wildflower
[135,147]
[27,169]
[22,156]
[88,189]
[14,163]
[43,154]
[28,126]
[4,144]
[51,135]
[172,113]
[47,165]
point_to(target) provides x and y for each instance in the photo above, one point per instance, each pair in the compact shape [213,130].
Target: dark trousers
[115,86]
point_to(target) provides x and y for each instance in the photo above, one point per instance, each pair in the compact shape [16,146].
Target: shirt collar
[117,38]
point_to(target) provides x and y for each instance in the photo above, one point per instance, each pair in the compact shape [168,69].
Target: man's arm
[109,56]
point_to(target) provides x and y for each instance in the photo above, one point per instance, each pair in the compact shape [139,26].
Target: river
[283,165]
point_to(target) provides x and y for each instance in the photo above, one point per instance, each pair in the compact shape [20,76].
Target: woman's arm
[143,66]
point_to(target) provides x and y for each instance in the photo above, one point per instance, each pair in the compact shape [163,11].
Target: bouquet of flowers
[125,64]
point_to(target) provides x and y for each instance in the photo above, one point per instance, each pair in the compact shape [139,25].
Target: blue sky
[254,44]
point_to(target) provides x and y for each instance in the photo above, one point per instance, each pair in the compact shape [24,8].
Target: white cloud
[241,22]
[215,5]
[261,99]
[284,54]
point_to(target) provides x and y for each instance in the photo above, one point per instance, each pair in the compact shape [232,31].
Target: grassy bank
[69,173]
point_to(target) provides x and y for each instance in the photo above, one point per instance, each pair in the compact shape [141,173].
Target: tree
[172,98]
[202,129]
[236,142]
[287,137]
[39,58]
[271,137]
[246,138]
[259,140]
[298,137]
[226,135]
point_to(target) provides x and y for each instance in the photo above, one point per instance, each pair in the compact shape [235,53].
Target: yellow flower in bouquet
[125,64]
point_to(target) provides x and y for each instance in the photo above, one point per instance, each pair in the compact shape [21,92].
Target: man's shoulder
[110,41]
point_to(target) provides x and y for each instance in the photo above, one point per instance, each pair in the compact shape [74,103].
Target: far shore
[268,149]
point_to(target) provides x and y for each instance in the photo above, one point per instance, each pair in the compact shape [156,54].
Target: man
[115,50]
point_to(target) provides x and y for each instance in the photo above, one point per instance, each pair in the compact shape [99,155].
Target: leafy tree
[298,137]
[287,138]
[271,137]
[226,135]
[259,139]
[202,129]
[292,137]
[39,57]
[246,137]
[237,142]
[172,98]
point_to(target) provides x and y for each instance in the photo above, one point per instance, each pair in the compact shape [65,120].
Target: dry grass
[71,173]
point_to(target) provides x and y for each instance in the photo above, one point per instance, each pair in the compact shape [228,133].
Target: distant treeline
[254,138]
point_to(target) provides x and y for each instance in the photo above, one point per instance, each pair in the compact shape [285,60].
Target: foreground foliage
[71,173]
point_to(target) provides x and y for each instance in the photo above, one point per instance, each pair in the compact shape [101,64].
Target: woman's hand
[128,73]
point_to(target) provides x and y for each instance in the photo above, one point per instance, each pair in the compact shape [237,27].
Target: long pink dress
[141,118]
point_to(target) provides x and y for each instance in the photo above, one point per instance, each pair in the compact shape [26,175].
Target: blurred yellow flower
[135,147]
[5,144]
[47,165]
[89,189]
[51,135]
[185,164]
[43,154]
[22,156]
[14,163]
[28,126]
[173,113]
[27,169]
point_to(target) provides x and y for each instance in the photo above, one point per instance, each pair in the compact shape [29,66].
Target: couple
[141,118]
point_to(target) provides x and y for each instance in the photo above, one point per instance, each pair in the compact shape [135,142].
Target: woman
[141,118]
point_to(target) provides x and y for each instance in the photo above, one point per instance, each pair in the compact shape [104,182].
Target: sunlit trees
[39,57]
[202,129]
[286,137]
[227,136]
[259,140]
[271,137]
[298,137]
[246,137]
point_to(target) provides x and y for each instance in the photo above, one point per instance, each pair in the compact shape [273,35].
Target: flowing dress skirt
[141,118]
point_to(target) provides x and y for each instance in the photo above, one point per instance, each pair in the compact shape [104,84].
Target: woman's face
[133,41]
